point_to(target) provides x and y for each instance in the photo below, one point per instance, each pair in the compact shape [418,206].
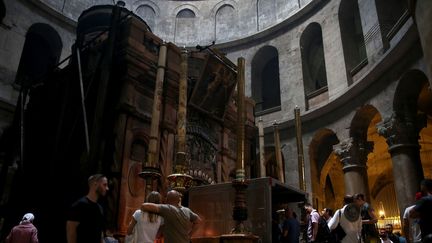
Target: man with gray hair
[179,222]
[24,232]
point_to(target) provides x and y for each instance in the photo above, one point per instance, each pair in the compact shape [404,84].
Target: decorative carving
[202,154]
[401,130]
[200,177]
[202,149]
[353,152]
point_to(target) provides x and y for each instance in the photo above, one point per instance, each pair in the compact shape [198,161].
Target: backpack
[323,234]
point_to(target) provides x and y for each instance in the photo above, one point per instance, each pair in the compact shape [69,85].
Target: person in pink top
[24,232]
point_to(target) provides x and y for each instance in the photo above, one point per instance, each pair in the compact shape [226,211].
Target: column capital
[401,131]
[353,152]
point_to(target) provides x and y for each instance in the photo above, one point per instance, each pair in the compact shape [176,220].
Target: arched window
[391,15]
[265,80]
[225,23]
[352,37]
[148,14]
[185,14]
[313,62]
[185,27]
[41,52]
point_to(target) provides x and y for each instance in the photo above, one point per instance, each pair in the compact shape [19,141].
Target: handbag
[338,233]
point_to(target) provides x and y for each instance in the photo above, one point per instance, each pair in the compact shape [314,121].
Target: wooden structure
[117,67]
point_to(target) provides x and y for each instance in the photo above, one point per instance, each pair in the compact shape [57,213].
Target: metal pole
[278,153]
[301,166]
[156,110]
[150,172]
[83,100]
[180,181]
[181,114]
[261,147]
[240,171]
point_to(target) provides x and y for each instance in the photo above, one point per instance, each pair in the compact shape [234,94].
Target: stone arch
[390,13]
[186,14]
[379,165]
[225,23]
[220,4]
[408,91]
[185,24]
[148,14]
[313,64]
[353,43]
[371,150]
[265,80]
[149,3]
[412,97]
[325,171]
[361,122]
[41,53]
[190,7]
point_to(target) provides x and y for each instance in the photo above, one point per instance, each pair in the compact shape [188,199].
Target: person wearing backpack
[348,217]
[324,235]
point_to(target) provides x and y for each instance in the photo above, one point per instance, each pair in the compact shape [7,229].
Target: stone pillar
[402,134]
[353,155]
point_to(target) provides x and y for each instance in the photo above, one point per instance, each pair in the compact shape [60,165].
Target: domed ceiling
[201,21]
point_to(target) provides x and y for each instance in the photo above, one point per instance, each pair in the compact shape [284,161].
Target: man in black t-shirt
[85,223]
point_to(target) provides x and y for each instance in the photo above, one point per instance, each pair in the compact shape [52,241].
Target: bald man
[179,222]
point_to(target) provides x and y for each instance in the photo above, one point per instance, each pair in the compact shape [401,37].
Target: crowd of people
[86,223]
[354,222]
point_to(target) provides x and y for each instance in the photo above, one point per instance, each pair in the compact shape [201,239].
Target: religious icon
[214,88]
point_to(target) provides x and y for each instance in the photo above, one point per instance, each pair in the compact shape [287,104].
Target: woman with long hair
[145,225]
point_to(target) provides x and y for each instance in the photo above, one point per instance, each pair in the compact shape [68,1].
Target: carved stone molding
[402,131]
[353,153]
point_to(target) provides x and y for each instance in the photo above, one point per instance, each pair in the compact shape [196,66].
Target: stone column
[353,155]
[402,134]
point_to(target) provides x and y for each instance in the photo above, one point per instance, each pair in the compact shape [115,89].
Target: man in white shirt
[312,219]
[349,219]
[411,225]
